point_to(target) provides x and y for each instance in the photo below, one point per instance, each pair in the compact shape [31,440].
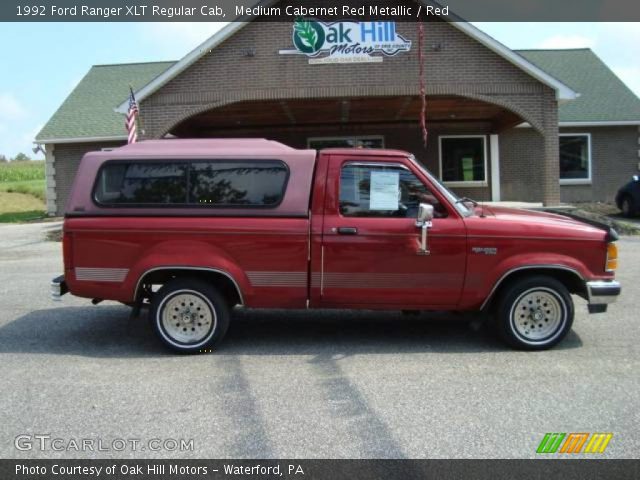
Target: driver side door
[371,245]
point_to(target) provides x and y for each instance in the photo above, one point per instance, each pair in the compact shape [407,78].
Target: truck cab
[192,228]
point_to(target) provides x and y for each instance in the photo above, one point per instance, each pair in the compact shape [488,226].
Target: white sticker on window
[384,190]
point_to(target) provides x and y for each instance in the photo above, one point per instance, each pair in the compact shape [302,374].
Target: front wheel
[189,315]
[534,313]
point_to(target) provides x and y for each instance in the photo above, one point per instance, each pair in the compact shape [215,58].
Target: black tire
[627,207]
[534,313]
[201,315]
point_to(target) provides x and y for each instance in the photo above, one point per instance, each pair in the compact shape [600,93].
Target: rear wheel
[189,315]
[627,207]
[534,313]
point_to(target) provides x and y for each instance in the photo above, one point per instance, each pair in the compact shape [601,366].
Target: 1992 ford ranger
[196,227]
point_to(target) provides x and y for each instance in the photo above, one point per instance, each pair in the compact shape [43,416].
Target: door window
[383,191]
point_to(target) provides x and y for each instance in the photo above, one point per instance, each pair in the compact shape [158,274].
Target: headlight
[612,258]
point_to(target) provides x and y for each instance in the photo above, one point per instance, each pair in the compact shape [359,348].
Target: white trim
[611,123]
[462,183]
[346,137]
[563,92]
[194,55]
[578,181]
[114,138]
[494,152]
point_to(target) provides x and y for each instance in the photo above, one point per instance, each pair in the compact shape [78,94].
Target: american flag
[132,115]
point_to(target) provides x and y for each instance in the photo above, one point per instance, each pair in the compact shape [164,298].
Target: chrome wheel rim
[187,317]
[538,315]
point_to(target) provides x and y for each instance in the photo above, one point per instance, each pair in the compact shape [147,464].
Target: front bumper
[58,288]
[600,293]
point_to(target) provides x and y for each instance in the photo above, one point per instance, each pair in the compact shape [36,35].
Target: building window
[368,141]
[383,191]
[202,183]
[463,160]
[575,158]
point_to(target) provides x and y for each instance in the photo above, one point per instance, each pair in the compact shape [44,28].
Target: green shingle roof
[88,110]
[603,96]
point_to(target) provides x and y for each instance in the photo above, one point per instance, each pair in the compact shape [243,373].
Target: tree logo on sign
[308,36]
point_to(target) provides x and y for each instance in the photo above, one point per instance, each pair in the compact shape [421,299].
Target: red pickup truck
[192,228]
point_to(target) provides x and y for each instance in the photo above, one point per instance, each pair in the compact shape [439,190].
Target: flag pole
[139,116]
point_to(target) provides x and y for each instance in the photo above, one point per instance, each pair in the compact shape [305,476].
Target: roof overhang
[563,92]
[604,123]
[114,138]
[184,63]
[611,123]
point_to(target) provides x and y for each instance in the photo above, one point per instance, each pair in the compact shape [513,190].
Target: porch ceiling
[370,110]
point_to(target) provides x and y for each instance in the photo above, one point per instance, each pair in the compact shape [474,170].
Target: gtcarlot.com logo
[47,442]
[574,443]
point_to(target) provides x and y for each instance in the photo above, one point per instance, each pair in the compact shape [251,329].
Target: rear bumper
[600,293]
[58,288]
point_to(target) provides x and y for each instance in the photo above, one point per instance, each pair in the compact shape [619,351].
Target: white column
[495,167]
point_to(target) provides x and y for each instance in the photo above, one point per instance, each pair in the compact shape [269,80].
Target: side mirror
[425,214]
[423,222]
[636,178]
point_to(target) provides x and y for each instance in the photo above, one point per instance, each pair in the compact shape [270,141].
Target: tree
[3,159]
[21,157]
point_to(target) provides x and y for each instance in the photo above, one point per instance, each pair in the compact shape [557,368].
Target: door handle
[347,230]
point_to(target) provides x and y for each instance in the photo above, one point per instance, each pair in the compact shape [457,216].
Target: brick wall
[614,159]
[520,164]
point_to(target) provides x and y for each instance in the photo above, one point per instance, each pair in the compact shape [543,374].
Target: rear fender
[187,254]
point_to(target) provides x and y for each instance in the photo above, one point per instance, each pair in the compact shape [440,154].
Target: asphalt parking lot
[301,384]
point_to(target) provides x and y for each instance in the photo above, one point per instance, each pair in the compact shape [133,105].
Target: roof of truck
[366,152]
[206,146]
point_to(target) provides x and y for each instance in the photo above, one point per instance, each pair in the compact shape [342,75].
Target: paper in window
[384,190]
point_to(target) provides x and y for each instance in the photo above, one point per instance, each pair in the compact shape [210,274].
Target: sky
[40,69]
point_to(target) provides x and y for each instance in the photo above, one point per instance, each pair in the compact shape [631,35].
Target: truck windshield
[456,201]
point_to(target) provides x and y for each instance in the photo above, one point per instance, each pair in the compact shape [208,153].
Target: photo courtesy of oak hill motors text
[185,12]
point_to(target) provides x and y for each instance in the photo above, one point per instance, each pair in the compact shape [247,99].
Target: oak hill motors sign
[346,42]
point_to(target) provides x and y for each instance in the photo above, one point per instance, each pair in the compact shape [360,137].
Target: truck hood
[518,222]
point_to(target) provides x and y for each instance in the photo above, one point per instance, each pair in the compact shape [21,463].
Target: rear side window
[233,183]
[197,183]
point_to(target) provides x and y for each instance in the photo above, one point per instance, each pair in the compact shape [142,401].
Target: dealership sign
[346,42]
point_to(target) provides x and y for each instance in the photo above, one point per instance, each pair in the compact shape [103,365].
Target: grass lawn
[20,207]
[22,191]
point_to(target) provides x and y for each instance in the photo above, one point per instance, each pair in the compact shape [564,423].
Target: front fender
[481,283]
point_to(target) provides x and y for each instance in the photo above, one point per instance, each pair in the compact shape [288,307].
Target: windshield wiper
[467,199]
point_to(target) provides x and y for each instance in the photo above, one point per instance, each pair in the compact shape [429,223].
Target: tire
[534,313]
[627,207]
[189,315]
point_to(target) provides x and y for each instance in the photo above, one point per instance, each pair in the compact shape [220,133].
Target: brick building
[541,126]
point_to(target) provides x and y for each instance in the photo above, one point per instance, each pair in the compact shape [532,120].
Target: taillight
[612,258]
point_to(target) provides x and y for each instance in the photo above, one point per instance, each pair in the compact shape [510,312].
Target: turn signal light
[612,257]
